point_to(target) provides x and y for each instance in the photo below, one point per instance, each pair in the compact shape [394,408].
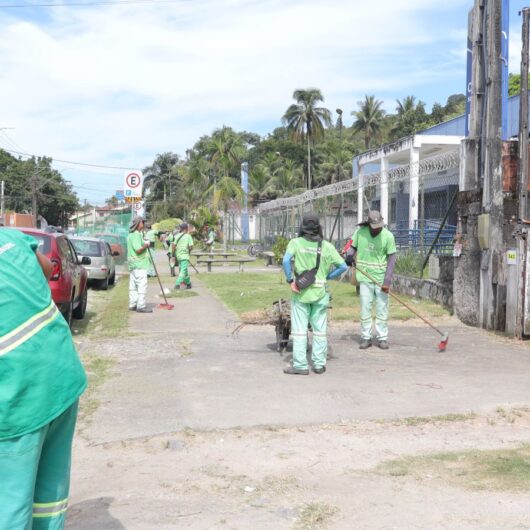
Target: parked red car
[69,279]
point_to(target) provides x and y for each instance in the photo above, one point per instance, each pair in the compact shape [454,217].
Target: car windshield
[92,249]
[44,243]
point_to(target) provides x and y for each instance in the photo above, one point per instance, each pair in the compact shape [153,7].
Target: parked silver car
[102,270]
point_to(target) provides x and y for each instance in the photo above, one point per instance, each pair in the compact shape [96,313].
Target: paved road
[182,368]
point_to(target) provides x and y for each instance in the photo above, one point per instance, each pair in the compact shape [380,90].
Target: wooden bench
[209,262]
[269,256]
[212,255]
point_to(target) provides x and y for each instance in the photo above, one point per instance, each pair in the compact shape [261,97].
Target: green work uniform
[310,306]
[183,244]
[372,257]
[150,235]
[41,381]
[135,261]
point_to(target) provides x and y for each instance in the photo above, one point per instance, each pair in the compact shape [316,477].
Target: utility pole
[2,199]
[521,234]
[33,182]
[493,295]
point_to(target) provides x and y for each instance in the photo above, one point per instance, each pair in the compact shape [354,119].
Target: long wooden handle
[395,297]
[157,276]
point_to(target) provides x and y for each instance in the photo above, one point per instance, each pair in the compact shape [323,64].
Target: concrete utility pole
[493,282]
[521,234]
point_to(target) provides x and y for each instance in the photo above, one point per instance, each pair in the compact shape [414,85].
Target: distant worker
[372,249]
[183,245]
[139,264]
[150,236]
[42,379]
[313,260]
[210,238]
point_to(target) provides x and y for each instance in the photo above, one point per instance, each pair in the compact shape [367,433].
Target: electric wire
[93,3]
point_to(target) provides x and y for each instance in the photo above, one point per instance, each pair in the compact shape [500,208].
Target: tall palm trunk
[308,163]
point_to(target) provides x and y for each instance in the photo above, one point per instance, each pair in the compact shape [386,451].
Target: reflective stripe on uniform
[28,329]
[50,509]
[372,264]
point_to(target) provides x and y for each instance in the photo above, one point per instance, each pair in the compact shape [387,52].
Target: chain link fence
[417,201]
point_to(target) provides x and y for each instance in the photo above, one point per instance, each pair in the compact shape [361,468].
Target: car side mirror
[85,260]
[115,253]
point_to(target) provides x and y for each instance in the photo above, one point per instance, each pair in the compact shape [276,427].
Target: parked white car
[102,270]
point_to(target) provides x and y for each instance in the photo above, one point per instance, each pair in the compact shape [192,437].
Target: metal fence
[417,201]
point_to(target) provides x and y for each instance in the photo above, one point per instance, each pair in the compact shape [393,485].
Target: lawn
[250,291]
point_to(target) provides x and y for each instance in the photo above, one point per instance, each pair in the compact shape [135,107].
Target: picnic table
[199,254]
[269,256]
[240,261]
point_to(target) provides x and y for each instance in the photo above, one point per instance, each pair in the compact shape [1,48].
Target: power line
[68,161]
[93,3]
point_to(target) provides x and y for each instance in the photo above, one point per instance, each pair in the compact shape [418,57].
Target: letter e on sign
[133,184]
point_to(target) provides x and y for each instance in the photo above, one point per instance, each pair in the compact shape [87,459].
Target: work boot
[133,308]
[144,310]
[188,286]
[383,344]
[365,343]
[295,371]
[319,369]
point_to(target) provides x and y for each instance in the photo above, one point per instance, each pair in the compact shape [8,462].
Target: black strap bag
[308,277]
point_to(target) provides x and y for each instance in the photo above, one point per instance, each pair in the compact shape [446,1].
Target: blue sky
[115,85]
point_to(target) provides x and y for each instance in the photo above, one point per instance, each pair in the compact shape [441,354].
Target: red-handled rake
[165,305]
[445,335]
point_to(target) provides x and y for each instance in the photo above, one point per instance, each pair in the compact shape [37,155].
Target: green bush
[279,247]
[409,264]
[167,225]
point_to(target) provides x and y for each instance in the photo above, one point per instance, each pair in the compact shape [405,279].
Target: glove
[349,258]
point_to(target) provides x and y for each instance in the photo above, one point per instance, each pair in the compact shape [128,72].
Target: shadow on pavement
[93,514]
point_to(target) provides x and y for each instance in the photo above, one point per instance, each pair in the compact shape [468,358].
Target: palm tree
[411,116]
[306,121]
[368,119]
[226,150]
[259,183]
[288,180]
[225,192]
[160,175]
[337,162]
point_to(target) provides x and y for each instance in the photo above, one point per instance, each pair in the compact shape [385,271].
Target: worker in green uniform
[183,245]
[150,236]
[41,379]
[310,299]
[372,248]
[139,263]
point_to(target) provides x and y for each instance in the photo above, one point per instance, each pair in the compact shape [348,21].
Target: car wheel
[104,284]
[112,279]
[67,314]
[80,310]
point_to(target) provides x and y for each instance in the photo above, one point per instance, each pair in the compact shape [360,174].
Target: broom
[164,305]
[445,335]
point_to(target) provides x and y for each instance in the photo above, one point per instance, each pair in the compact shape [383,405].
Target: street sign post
[138,208]
[133,184]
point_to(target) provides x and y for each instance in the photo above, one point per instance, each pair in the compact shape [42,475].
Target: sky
[116,84]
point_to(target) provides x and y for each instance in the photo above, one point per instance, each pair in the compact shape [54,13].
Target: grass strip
[250,291]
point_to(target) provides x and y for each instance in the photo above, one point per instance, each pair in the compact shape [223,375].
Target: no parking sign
[138,208]
[133,184]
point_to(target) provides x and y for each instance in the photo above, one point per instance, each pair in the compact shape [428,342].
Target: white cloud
[117,85]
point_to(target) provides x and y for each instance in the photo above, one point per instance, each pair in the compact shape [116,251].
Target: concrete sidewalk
[183,369]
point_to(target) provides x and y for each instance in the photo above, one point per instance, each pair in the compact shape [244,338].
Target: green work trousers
[315,314]
[184,276]
[35,476]
[370,292]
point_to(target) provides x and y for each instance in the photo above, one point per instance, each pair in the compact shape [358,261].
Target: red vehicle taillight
[56,272]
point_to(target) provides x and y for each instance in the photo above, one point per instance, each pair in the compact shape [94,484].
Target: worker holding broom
[313,261]
[183,245]
[139,264]
[372,250]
